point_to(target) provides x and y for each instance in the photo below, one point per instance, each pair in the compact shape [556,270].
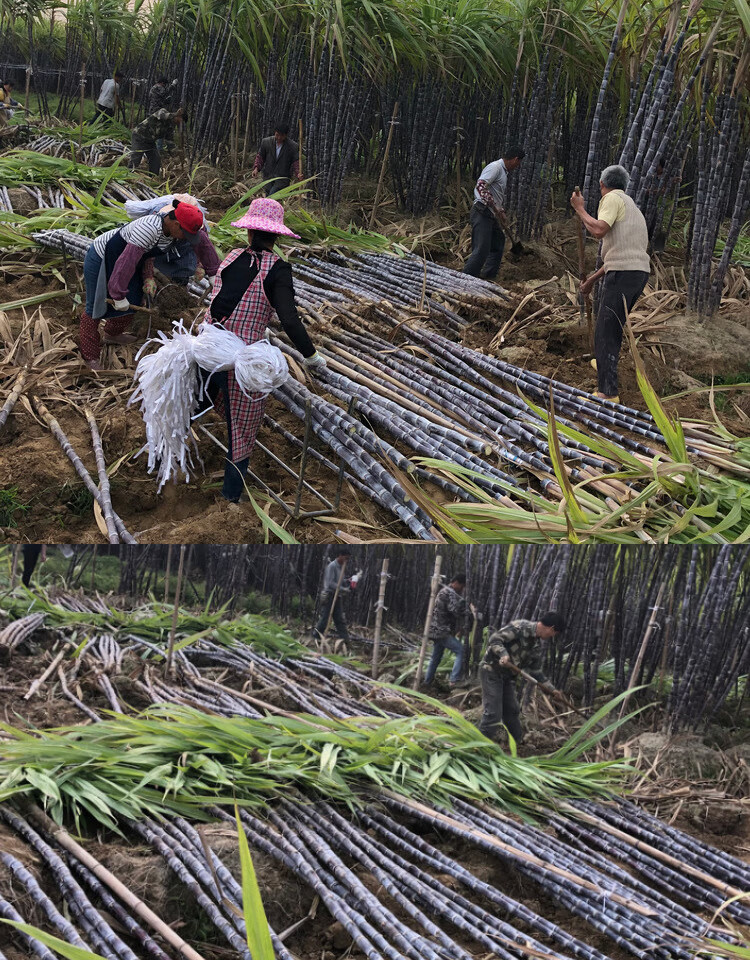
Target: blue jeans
[234,470]
[438,649]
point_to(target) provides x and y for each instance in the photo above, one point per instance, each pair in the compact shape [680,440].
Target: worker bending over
[487,216]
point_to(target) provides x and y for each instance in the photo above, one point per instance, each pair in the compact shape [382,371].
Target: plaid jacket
[449,608]
[249,321]
[517,640]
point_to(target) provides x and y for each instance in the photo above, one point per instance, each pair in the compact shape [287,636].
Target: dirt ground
[680,353]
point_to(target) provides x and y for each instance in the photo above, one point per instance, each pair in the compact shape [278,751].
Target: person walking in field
[108,100]
[146,136]
[518,644]
[447,614]
[250,285]
[277,160]
[622,228]
[115,269]
[8,105]
[331,578]
[487,217]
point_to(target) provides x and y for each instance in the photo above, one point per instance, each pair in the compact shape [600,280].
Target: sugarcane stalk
[379,618]
[175,613]
[13,396]
[40,679]
[434,586]
[384,165]
[104,487]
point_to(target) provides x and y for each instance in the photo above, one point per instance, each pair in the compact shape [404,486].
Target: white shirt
[107,94]
[496,177]
[278,149]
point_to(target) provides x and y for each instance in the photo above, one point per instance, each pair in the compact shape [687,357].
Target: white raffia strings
[167,386]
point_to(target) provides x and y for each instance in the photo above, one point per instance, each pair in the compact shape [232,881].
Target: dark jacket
[285,166]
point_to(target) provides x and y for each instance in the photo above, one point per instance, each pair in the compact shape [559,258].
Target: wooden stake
[166,575]
[170,652]
[83,95]
[458,167]
[584,301]
[28,83]
[379,618]
[133,86]
[384,165]
[428,619]
[93,567]
[138,907]
[246,141]
[235,130]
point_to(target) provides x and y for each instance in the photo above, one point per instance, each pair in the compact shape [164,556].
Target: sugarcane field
[386,752]
[460,273]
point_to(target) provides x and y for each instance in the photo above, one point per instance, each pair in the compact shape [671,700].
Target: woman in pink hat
[251,284]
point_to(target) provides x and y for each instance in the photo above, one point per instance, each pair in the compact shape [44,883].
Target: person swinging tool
[516,644]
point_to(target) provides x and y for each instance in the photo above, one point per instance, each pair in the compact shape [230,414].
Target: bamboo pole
[642,651]
[101,467]
[384,165]
[379,618]
[83,94]
[428,619]
[458,167]
[93,567]
[166,574]
[133,85]
[335,598]
[235,130]
[137,906]
[175,613]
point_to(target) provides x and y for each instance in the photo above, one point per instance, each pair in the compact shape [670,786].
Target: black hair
[515,151]
[263,240]
[343,552]
[118,73]
[162,79]
[458,578]
[552,619]
[282,128]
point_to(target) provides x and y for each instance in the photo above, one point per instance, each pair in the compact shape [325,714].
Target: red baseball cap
[190,219]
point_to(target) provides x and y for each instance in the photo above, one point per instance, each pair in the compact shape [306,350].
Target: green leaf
[59,946]
[256,925]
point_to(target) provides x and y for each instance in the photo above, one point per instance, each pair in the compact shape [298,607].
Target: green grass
[10,505]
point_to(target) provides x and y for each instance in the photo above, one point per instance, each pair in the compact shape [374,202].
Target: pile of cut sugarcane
[376,861]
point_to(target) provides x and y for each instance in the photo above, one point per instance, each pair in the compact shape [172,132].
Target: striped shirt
[145,232]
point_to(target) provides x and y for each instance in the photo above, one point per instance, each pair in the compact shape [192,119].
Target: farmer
[333,572]
[160,98]
[517,644]
[114,269]
[487,216]
[7,103]
[621,227]
[251,284]
[450,607]
[157,127]
[109,96]
[277,160]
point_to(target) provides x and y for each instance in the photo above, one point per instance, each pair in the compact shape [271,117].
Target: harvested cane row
[381,871]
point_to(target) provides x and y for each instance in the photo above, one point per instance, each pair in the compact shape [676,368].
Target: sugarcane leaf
[66,950]
[270,525]
[256,925]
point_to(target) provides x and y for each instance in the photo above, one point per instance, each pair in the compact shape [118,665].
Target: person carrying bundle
[144,140]
[114,269]
[487,216]
[518,644]
[333,580]
[449,609]
[252,283]
[277,160]
[622,228]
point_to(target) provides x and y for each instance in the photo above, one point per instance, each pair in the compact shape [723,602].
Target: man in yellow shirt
[621,227]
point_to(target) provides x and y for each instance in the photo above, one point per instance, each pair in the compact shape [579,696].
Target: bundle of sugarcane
[19,631]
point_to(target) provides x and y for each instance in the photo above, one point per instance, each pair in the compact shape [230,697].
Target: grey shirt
[331,578]
[496,177]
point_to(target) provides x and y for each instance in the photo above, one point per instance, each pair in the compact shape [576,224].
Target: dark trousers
[339,620]
[104,112]
[31,552]
[620,287]
[144,148]
[500,704]
[438,649]
[234,470]
[487,245]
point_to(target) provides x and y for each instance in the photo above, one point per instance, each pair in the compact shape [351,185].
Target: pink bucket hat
[265,214]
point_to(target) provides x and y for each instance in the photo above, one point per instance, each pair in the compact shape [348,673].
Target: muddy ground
[287,899]
[48,503]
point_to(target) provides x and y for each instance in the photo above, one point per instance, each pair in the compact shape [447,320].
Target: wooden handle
[132,307]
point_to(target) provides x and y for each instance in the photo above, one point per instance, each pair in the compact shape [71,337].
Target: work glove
[122,304]
[149,287]
[199,274]
[316,361]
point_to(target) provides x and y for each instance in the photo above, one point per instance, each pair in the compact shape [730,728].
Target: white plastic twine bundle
[167,386]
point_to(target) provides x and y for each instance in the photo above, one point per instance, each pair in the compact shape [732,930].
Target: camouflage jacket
[449,608]
[158,126]
[159,97]
[517,640]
